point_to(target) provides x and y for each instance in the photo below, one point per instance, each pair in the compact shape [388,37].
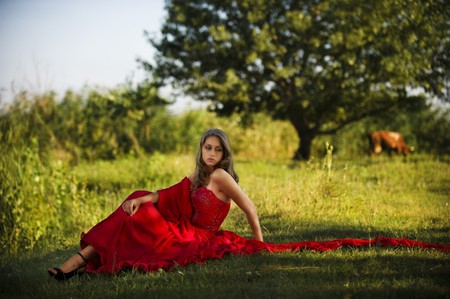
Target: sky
[71,44]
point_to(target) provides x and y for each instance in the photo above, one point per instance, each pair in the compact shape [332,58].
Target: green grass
[296,202]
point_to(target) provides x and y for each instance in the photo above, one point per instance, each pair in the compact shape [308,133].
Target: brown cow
[390,141]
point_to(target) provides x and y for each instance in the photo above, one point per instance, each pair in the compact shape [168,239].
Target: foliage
[28,119]
[108,122]
[98,124]
[40,203]
[319,64]
[437,122]
[424,129]
[125,121]
[81,127]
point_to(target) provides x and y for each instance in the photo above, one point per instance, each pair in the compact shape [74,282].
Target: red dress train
[183,228]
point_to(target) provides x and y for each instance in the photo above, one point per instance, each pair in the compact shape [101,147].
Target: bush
[40,201]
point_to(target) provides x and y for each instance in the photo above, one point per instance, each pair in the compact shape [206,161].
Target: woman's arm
[132,205]
[226,184]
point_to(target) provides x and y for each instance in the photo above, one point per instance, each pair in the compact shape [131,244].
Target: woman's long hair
[227,164]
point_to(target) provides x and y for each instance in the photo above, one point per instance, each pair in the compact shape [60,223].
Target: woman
[180,225]
[153,230]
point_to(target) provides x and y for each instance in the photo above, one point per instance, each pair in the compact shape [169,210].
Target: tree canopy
[319,64]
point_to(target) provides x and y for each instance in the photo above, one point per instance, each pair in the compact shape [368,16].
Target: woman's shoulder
[220,174]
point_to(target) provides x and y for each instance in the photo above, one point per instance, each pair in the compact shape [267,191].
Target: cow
[389,141]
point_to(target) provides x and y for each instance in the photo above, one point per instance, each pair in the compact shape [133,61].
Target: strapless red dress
[183,228]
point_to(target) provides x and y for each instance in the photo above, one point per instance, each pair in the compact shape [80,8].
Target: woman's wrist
[143,199]
[153,197]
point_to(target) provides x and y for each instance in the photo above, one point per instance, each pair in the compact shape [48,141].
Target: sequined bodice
[208,211]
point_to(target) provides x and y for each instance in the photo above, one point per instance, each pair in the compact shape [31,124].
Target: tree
[319,64]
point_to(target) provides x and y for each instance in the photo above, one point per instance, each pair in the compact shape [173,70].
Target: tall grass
[43,206]
[41,203]
[50,206]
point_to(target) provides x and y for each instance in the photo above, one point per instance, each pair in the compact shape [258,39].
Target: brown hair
[227,164]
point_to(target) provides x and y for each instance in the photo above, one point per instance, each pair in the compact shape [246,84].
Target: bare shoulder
[222,182]
[220,175]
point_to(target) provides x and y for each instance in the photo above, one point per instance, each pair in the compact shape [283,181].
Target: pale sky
[67,44]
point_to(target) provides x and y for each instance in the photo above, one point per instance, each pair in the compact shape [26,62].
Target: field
[296,201]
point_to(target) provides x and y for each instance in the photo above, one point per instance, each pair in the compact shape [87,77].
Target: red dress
[183,228]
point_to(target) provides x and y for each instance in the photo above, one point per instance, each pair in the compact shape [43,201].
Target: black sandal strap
[84,259]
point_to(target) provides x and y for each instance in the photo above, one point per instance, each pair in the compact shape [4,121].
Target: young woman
[180,225]
[174,226]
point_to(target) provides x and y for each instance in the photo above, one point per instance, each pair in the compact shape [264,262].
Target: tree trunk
[305,132]
[304,148]
[135,143]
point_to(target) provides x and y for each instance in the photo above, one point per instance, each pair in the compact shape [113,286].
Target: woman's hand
[131,206]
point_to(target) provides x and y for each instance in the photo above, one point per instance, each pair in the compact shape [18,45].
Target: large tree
[321,64]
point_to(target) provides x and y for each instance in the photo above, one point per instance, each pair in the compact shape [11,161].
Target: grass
[296,202]
[375,273]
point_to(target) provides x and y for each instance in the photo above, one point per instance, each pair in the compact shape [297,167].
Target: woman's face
[212,151]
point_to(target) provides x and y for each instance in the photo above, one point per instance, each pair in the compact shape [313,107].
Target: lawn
[296,202]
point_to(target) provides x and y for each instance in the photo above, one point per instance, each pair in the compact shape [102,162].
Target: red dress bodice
[208,211]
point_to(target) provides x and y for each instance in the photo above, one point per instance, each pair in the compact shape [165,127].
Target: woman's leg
[76,261]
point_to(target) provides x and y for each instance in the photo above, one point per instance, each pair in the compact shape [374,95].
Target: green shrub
[41,202]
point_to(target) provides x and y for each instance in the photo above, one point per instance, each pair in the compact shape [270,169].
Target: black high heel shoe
[61,276]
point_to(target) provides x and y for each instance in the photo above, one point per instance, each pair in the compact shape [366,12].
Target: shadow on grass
[279,231]
[441,187]
[371,273]
[346,272]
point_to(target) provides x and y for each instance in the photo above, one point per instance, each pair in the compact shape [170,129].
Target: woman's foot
[76,265]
